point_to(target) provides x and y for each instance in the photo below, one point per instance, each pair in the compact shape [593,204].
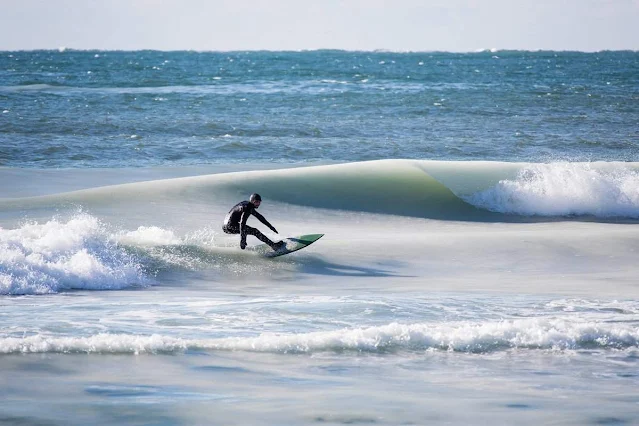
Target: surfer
[235,222]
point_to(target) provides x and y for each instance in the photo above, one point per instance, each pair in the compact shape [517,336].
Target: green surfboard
[291,244]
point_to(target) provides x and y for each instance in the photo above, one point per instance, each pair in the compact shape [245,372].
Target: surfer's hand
[274,230]
[242,245]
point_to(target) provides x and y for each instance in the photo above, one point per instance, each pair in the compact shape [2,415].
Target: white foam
[549,334]
[149,236]
[562,189]
[57,255]
[580,305]
[464,337]
[99,343]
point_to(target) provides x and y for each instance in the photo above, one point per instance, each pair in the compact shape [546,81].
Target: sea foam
[486,337]
[78,253]
[149,236]
[565,189]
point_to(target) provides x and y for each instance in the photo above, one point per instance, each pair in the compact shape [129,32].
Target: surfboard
[291,244]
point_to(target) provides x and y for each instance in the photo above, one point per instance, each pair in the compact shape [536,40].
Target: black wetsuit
[235,223]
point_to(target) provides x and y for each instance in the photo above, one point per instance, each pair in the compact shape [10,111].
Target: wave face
[64,255]
[442,190]
[469,191]
[469,337]
[565,189]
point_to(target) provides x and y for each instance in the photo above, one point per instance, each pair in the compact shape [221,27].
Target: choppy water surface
[117,109]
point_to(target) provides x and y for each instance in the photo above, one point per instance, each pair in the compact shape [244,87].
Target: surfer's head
[256,200]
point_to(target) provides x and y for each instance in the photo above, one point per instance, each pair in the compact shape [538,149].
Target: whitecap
[565,189]
[39,258]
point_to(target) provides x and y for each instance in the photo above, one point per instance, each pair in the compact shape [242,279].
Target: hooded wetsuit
[235,223]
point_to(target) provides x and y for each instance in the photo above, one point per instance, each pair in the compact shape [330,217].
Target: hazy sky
[452,25]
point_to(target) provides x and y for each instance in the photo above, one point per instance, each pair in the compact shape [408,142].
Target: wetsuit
[235,223]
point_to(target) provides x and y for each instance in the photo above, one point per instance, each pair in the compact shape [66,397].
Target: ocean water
[479,263]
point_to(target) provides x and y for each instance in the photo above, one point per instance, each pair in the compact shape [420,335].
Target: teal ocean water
[120,109]
[479,263]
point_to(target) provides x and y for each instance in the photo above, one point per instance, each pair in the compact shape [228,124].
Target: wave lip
[58,255]
[565,189]
[466,337]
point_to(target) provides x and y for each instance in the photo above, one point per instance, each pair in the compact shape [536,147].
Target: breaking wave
[64,255]
[82,253]
[545,334]
[565,189]
[443,190]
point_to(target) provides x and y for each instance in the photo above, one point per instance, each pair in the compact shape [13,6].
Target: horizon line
[483,50]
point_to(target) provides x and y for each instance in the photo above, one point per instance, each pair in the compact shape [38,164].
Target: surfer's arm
[264,221]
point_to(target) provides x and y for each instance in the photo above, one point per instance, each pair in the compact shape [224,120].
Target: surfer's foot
[278,245]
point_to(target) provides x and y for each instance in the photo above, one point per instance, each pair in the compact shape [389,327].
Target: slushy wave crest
[63,255]
[442,190]
[486,337]
[565,189]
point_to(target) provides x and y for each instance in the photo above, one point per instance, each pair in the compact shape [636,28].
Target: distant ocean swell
[149,108]
[483,337]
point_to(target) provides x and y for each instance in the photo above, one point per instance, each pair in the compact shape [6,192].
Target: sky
[399,25]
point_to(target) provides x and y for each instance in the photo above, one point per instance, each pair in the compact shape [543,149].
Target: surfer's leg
[256,232]
[230,230]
